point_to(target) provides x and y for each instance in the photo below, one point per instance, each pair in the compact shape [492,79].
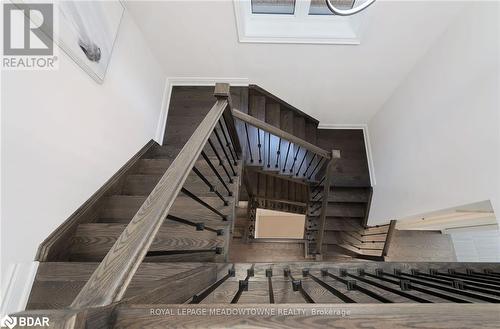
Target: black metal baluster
[316,167]
[478,284]
[210,186]
[286,157]
[449,281]
[380,276]
[384,287]
[317,207]
[204,155]
[309,165]
[297,286]
[351,284]
[228,144]
[203,203]
[221,163]
[230,139]
[156,253]
[319,184]
[199,298]
[331,289]
[199,226]
[301,163]
[224,151]
[243,285]
[259,145]
[443,288]
[248,143]
[295,159]
[473,274]
[269,150]
[315,195]
[269,275]
[461,276]
[278,154]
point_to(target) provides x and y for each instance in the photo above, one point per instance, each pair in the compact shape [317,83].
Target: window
[285,7]
[296,21]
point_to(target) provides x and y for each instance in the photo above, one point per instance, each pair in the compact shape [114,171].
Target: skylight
[297,21]
[285,7]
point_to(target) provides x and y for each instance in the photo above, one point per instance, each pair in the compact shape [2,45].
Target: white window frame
[297,28]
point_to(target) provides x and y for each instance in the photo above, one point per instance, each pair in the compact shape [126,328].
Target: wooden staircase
[283,174]
[175,240]
[158,231]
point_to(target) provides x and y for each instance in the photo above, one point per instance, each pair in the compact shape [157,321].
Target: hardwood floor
[421,246]
[265,252]
[351,170]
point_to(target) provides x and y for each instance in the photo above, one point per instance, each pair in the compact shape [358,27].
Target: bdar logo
[8,321]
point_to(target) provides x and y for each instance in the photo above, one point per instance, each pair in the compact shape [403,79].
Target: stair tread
[339,209]
[58,283]
[143,184]
[347,194]
[81,271]
[124,207]
[367,252]
[336,224]
[93,241]
[159,165]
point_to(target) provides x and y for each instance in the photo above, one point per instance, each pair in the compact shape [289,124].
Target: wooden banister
[113,275]
[390,232]
[324,203]
[280,133]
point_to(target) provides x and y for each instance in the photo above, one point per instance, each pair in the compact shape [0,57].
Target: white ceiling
[337,84]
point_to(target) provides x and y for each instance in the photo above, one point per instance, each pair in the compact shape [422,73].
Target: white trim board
[16,287]
[366,137]
[187,81]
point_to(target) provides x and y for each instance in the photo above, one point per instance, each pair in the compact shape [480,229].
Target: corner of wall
[170,82]
[162,119]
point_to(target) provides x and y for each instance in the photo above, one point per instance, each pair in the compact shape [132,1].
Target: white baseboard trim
[187,81]
[16,287]
[366,137]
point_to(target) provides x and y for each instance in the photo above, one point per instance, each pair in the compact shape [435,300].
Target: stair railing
[319,202]
[108,283]
[287,154]
[283,152]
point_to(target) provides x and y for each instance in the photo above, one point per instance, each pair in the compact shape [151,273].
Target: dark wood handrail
[291,202]
[278,100]
[280,133]
[335,155]
[113,275]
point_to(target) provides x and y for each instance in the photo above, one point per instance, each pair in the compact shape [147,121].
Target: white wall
[200,39]
[477,246]
[436,141]
[64,135]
